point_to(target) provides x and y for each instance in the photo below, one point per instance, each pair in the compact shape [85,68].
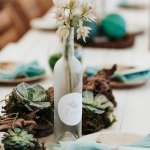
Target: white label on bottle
[70,109]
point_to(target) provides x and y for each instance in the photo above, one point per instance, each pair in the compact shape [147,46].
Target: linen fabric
[30,69]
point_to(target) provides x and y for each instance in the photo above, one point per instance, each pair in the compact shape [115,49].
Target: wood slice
[125,42]
[122,85]
[132,6]
[43,130]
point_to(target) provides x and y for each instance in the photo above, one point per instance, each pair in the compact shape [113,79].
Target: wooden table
[133,110]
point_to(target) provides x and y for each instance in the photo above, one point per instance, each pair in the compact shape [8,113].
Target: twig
[31,115]
[98,140]
[14,120]
[50,123]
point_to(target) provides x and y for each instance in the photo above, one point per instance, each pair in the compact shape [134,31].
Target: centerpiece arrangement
[31,109]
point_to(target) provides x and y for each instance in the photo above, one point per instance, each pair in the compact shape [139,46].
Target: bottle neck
[68,45]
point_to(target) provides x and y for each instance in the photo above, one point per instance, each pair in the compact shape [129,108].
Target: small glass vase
[68,93]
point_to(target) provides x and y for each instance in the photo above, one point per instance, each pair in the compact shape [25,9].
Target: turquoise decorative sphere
[92,34]
[113,26]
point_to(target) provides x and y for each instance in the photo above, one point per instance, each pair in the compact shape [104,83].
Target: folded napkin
[82,145]
[91,71]
[31,69]
[79,146]
[131,75]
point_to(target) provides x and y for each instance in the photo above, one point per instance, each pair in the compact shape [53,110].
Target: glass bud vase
[67,93]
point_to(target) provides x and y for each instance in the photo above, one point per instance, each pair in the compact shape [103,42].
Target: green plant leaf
[88,97]
[32,96]
[96,104]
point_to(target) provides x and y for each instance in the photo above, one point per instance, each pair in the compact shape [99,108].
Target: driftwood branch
[10,123]
[32,114]
[100,83]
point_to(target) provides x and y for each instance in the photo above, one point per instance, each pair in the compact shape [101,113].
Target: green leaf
[96,104]
[22,88]
[32,96]
[28,107]
[100,99]
[40,104]
[39,96]
[88,97]
[93,109]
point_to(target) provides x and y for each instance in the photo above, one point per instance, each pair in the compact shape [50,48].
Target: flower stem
[68,64]
[76,20]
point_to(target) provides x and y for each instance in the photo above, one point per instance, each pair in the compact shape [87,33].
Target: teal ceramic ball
[113,26]
[92,33]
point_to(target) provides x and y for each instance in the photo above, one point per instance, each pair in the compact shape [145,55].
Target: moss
[38,146]
[14,106]
[92,122]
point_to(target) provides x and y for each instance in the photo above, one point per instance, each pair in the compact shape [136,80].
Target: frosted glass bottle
[67,94]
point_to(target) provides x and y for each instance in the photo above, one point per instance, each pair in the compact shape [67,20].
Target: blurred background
[18,16]
[15,17]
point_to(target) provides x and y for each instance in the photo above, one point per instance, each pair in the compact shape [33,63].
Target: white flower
[60,14]
[85,8]
[77,4]
[82,2]
[88,10]
[63,31]
[90,17]
[92,8]
[83,31]
[74,4]
[61,3]
[65,12]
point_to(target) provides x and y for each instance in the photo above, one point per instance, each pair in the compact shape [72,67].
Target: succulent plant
[18,139]
[32,96]
[96,104]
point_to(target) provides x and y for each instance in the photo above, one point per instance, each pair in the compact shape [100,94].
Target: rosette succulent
[18,139]
[96,104]
[32,96]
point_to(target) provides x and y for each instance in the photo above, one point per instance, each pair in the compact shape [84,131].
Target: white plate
[44,24]
[113,139]
[135,29]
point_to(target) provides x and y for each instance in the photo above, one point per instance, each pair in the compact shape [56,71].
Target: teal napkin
[132,75]
[144,143]
[91,71]
[31,69]
[82,145]
[79,146]
[124,2]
